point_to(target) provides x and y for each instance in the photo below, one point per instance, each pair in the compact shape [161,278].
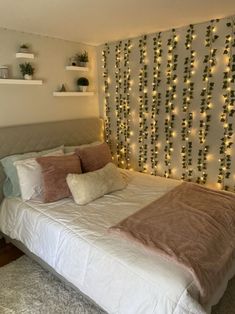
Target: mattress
[120,276]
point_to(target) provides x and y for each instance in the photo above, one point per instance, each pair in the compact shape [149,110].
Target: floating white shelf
[20,82]
[74,68]
[64,94]
[24,55]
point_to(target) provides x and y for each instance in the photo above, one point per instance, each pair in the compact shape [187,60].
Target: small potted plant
[24,48]
[82,83]
[82,59]
[27,70]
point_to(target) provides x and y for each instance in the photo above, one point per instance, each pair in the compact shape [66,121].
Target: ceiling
[97,21]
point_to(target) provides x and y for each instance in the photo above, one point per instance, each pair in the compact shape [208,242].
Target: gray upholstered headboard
[37,137]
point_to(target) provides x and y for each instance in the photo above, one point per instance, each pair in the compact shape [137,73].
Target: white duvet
[119,276]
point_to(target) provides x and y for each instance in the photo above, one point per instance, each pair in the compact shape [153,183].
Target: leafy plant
[82,57]
[26,68]
[82,81]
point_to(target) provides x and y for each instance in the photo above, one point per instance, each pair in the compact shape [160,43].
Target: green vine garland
[119,104]
[143,104]
[171,75]
[206,105]
[187,120]
[228,109]
[126,103]
[156,100]
[105,53]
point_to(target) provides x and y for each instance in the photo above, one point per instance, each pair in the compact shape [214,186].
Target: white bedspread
[119,276]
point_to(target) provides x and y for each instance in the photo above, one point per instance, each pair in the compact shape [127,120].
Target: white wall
[21,104]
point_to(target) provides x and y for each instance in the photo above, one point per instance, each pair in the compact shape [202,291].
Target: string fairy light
[119,104]
[170,99]
[187,118]
[105,53]
[206,100]
[126,103]
[226,116]
[156,100]
[143,104]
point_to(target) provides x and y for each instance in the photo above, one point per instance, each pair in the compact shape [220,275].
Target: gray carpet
[27,288]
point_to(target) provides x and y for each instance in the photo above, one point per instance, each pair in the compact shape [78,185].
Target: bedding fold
[192,225]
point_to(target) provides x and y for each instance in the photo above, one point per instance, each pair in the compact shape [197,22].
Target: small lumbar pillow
[94,157]
[89,186]
[54,172]
[30,177]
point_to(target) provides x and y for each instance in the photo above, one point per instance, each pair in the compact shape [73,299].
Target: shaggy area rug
[25,287]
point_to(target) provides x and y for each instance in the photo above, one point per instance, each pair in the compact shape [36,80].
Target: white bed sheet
[119,276]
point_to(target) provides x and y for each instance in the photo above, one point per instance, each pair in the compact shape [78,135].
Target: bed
[74,242]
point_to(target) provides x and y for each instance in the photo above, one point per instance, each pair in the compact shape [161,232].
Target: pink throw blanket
[193,226]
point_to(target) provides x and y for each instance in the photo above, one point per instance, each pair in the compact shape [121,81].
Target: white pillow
[30,176]
[89,186]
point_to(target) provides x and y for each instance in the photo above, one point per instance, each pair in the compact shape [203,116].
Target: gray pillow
[11,186]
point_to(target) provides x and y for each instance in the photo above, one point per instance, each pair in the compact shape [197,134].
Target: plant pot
[28,77]
[82,64]
[82,88]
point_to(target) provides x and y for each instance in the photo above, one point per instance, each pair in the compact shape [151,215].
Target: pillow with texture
[94,157]
[89,186]
[54,172]
[71,149]
[11,187]
[30,177]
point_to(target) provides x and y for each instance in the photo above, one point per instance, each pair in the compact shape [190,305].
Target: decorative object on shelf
[73,61]
[82,59]
[4,72]
[63,89]
[27,70]
[24,48]
[82,83]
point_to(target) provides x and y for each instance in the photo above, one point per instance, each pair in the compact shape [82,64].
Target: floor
[8,253]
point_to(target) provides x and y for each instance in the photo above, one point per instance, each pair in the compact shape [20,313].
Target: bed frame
[37,137]
[42,136]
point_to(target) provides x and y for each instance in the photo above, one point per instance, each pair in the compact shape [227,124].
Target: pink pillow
[94,157]
[54,172]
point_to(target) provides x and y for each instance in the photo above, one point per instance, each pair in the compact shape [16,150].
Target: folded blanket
[193,226]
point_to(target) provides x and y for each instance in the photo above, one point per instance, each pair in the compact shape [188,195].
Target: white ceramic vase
[28,77]
[82,88]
